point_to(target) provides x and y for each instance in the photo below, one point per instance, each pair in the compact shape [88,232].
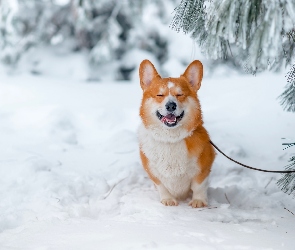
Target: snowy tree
[28,23]
[112,28]
[253,31]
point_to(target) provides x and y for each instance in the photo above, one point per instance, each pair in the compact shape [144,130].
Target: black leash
[243,165]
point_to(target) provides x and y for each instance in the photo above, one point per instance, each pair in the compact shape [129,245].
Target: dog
[175,148]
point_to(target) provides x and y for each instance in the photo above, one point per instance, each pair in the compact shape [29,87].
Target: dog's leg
[199,198]
[166,198]
[199,183]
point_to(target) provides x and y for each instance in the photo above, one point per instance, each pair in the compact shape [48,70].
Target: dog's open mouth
[170,120]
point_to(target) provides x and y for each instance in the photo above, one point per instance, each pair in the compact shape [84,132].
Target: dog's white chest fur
[169,162]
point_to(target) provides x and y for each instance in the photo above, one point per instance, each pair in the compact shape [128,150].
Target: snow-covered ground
[71,177]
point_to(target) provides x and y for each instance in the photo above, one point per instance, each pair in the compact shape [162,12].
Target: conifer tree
[255,34]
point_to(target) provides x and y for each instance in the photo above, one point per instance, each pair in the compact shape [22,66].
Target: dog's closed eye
[160,95]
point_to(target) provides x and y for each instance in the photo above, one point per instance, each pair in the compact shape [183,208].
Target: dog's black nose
[170,106]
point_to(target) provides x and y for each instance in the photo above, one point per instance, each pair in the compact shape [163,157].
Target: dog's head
[170,103]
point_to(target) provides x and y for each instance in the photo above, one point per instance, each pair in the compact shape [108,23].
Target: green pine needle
[288,96]
[287,182]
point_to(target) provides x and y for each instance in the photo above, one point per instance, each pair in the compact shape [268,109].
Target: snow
[71,177]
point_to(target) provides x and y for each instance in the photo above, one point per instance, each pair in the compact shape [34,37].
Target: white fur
[164,193]
[200,191]
[192,74]
[167,135]
[170,85]
[148,74]
[169,160]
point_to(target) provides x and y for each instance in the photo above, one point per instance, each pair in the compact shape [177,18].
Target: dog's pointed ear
[194,74]
[147,72]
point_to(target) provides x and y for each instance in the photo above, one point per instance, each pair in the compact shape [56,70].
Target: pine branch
[289,211]
[288,145]
[261,32]
[288,96]
[291,35]
[190,18]
[287,181]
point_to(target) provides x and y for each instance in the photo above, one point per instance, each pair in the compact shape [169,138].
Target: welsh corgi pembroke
[175,148]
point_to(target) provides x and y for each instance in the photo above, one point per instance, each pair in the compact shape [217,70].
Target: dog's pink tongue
[169,118]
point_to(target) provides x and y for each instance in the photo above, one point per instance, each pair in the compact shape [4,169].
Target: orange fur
[198,144]
[189,140]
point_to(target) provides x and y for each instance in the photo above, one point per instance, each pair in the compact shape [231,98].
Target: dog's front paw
[195,203]
[169,202]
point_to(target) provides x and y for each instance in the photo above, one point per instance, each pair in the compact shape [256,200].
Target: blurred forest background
[248,35]
[113,36]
